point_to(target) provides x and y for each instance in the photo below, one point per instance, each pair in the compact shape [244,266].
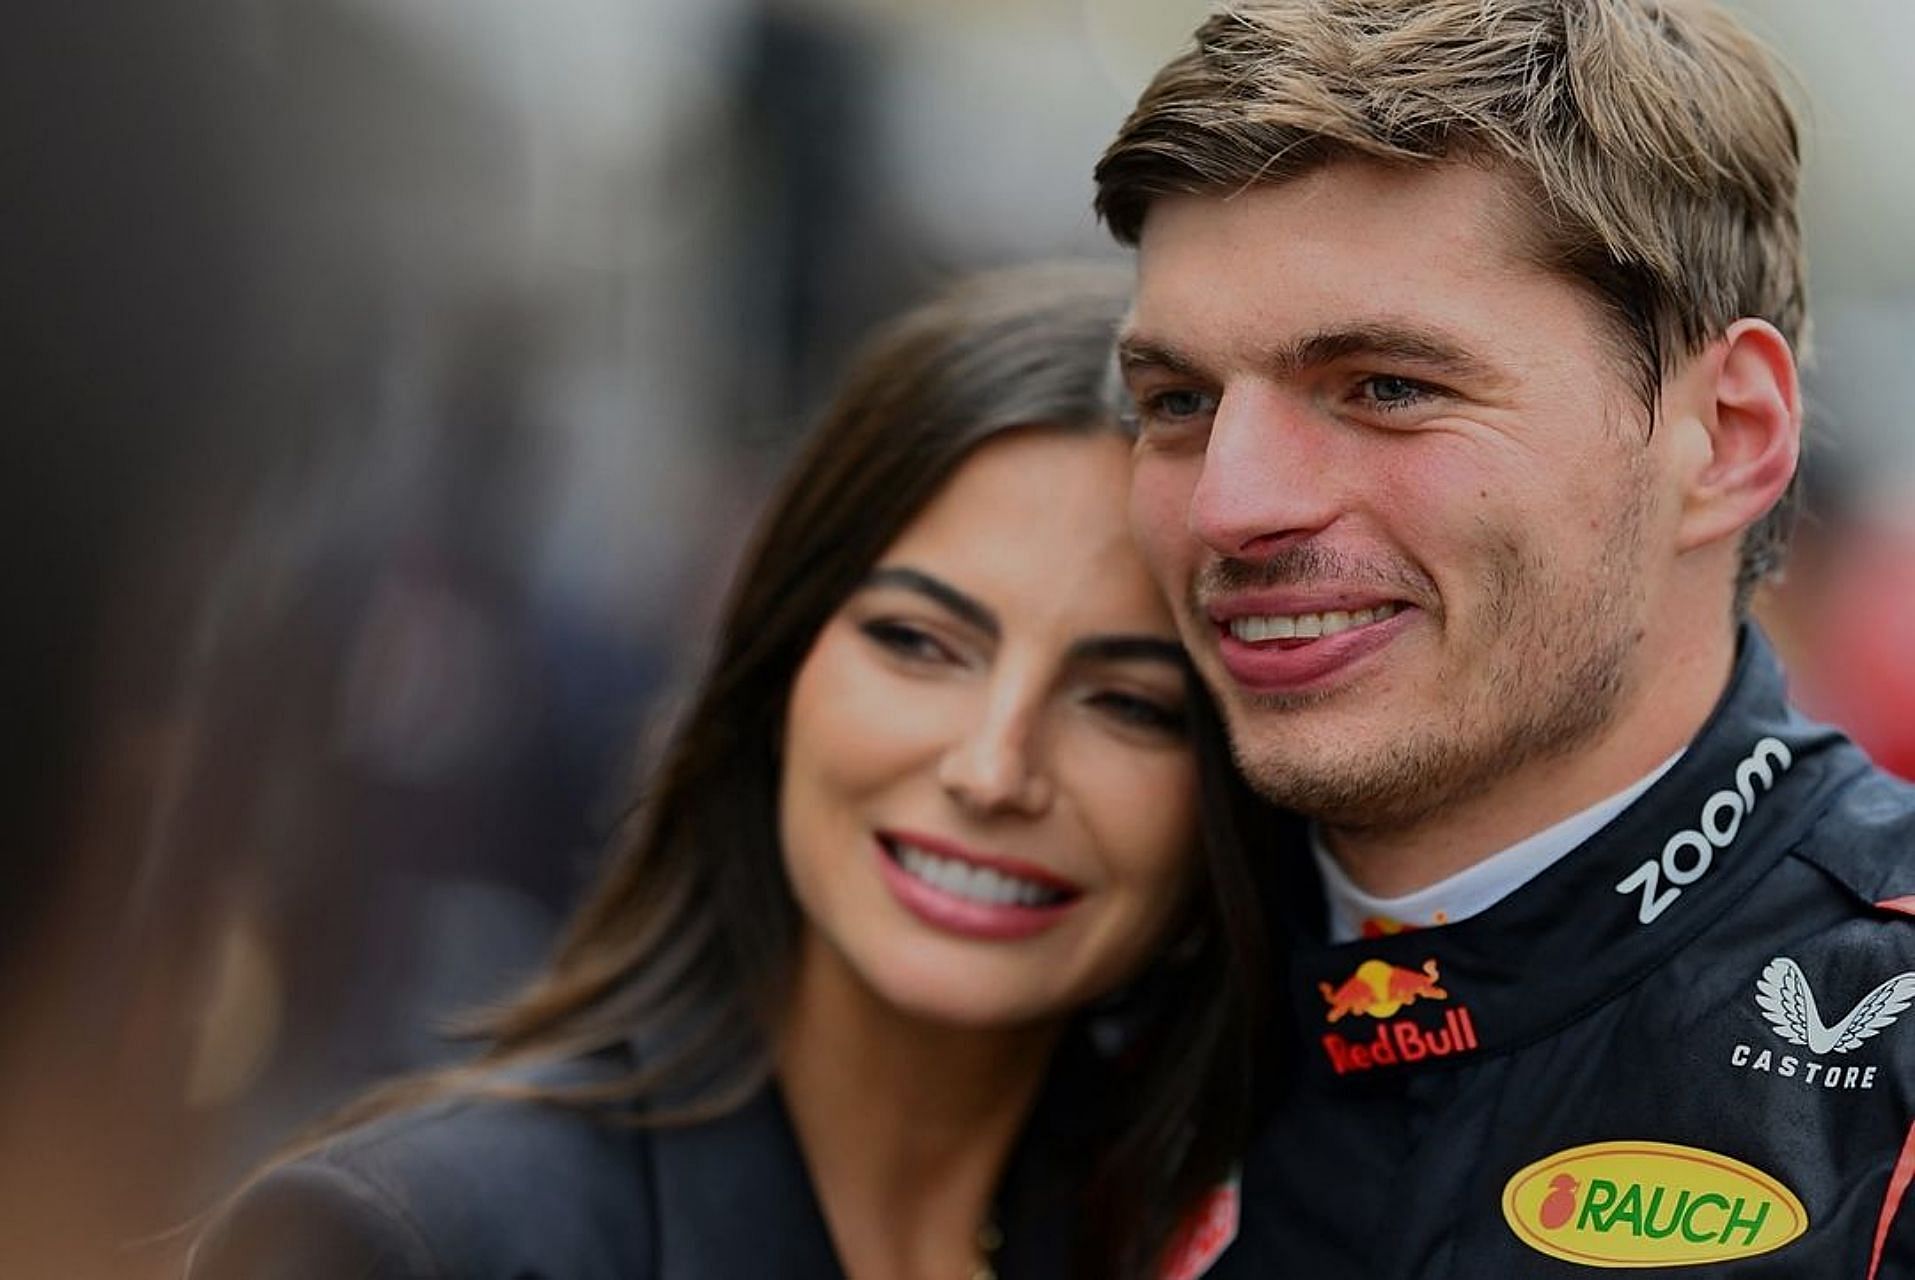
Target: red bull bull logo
[1373,927]
[1381,990]
[1378,989]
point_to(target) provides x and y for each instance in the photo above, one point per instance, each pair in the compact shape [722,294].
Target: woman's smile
[969,893]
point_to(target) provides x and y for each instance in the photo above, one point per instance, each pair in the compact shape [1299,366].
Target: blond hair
[1654,136]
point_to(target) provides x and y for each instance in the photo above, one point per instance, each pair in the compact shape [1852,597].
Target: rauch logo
[1381,990]
[1649,1204]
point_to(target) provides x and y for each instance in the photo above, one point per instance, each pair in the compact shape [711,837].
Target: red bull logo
[1381,990]
[1378,990]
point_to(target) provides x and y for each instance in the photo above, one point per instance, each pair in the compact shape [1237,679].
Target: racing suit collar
[1582,931]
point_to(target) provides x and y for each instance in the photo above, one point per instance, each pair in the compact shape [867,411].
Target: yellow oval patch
[1649,1204]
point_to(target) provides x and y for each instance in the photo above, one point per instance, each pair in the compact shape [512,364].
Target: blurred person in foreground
[914,964]
[1463,364]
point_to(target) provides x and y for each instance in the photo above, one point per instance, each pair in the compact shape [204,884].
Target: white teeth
[1308,626]
[979,884]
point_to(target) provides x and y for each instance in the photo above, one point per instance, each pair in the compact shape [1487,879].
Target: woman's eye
[905,640]
[1143,713]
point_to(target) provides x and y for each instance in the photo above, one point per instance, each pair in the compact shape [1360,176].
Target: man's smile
[1258,628]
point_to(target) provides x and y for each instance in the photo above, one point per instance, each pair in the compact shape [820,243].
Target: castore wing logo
[1783,995]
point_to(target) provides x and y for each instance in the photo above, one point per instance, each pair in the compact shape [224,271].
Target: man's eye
[1388,391]
[1176,406]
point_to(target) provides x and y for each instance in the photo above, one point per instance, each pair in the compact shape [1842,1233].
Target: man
[1467,421]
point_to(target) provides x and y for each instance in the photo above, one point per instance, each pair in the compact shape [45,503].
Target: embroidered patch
[1381,990]
[1783,995]
[1649,1204]
[1378,990]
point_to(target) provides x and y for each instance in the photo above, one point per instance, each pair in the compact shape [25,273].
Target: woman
[915,963]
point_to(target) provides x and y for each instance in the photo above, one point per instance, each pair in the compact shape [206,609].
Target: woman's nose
[996,766]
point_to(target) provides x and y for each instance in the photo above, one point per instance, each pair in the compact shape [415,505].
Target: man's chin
[1313,782]
[1353,780]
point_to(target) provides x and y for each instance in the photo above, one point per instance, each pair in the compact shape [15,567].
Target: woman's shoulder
[468,1187]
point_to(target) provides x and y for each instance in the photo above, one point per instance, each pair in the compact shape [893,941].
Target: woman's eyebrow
[1101,648]
[1131,649]
[938,590]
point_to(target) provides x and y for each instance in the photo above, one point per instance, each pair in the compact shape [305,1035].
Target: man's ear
[1744,409]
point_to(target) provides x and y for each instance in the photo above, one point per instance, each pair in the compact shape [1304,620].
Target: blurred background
[390,384]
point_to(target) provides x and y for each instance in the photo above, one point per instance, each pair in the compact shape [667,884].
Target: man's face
[1391,476]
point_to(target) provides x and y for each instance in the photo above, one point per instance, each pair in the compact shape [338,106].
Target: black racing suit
[1684,1043]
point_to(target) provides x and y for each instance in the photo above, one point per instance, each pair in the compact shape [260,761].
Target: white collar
[1355,914]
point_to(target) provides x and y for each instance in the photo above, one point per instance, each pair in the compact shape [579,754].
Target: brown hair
[1653,135]
[688,941]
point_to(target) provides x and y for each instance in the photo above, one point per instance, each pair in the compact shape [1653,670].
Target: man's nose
[997,765]
[1267,477]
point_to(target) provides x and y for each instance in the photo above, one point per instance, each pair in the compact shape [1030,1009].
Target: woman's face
[989,799]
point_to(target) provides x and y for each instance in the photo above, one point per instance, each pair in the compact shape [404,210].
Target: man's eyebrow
[1382,341]
[1131,649]
[1136,353]
[937,590]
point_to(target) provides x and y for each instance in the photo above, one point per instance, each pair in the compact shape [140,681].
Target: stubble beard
[1555,657]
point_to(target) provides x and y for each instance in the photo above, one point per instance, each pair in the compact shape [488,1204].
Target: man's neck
[1661,717]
